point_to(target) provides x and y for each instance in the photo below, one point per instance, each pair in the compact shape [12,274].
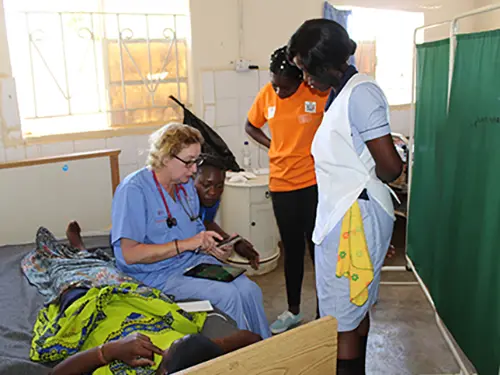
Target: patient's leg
[73,233]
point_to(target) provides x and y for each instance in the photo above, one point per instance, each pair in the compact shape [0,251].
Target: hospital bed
[307,350]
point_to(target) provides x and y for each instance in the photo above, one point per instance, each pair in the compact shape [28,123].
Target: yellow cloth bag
[354,260]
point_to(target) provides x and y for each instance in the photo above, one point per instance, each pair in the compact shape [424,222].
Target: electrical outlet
[242,65]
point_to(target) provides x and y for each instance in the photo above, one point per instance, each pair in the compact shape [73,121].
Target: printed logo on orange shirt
[271,111]
[310,107]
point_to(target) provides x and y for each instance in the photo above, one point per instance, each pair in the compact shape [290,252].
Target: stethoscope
[172,221]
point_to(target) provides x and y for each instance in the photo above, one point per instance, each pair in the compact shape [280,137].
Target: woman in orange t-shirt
[293,112]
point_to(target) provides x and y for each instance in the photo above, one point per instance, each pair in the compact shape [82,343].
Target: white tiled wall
[133,156]
[402,120]
[227,98]
[90,145]
[33,151]
[54,149]
[15,153]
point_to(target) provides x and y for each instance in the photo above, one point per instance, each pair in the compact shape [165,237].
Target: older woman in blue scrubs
[157,233]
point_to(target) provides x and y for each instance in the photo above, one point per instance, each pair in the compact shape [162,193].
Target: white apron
[341,174]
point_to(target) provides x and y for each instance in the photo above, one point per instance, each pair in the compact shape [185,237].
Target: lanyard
[171,221]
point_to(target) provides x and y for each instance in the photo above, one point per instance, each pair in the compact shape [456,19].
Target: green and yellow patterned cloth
[110,313]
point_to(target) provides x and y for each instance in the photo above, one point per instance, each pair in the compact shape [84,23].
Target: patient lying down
[120,329]
[100,321]
[137,350]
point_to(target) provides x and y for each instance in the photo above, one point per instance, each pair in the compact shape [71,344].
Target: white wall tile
[126,169]
[2,154]
[244,105]
[33,151]
[263,157]
[230,84]
[263,78]
[248,83]
[9,103]
[15,153]
[254,149]
[209,115]
[266,130]
[401,121]
[142,150]
[225,83]
[226,112]
[208,87]
[128,146]
[90,145]
[232,135]
[142,157]
[55,149]
[143,141]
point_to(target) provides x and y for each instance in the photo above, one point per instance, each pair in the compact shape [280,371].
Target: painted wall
[220,34]
[487,21]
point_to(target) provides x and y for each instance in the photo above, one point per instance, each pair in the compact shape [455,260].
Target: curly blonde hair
[169,140]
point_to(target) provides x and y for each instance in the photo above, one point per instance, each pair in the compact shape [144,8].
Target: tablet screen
[215,272]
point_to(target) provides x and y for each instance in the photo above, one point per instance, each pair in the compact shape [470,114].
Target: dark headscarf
[214,147]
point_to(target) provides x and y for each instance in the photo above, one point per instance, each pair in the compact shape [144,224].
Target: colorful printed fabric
[107,314]
[354,260]
[53,267]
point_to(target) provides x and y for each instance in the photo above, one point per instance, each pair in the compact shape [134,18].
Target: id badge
[271,111]
[310,107]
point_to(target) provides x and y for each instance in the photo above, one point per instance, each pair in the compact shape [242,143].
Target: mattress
[19,306]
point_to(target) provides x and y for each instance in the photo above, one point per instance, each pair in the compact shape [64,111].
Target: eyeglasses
[189,163]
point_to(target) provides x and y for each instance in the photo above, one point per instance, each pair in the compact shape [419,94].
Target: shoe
[285,321]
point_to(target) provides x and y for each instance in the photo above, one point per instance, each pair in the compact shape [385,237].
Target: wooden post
[115,172]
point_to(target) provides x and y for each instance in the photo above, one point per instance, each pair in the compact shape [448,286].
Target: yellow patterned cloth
[354,260]
[108,314]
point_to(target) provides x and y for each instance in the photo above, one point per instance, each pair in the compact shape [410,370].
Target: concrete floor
[404,338]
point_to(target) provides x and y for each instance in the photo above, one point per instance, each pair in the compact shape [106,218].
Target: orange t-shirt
[292,122]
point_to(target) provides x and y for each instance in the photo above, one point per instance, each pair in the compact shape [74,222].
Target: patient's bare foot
[73,233]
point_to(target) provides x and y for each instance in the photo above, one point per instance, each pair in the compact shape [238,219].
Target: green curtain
[430,119]
[461,261]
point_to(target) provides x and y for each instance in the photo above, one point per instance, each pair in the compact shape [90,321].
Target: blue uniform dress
[368,115]
[209,213]
[139,214]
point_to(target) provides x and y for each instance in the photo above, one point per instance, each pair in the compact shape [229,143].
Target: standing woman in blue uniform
[354,156]
[157,233]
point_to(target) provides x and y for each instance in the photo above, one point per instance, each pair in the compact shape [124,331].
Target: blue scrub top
[139,214]
[208,213]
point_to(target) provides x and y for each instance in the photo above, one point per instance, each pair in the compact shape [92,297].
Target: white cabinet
[246,209]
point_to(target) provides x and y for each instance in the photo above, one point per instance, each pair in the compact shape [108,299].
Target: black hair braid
[281,66]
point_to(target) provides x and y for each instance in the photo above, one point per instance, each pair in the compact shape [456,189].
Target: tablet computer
[217,272]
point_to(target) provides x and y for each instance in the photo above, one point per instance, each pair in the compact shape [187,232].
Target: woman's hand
[222,253]
[205,241]
[247,251]
[135,350]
